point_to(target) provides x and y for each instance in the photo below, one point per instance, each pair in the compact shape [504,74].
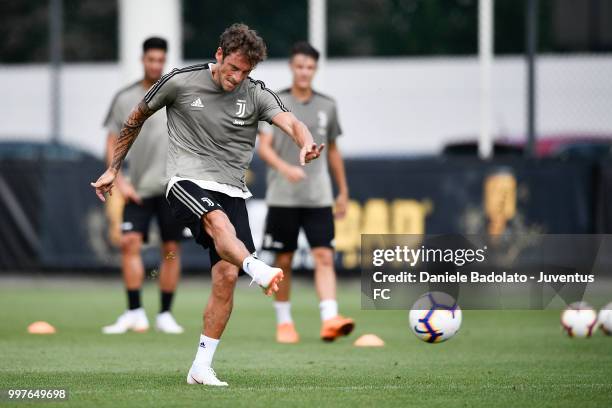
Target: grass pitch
[510,358]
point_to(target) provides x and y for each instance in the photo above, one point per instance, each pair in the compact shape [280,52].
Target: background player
[144,199]
[213,112]
[302,197]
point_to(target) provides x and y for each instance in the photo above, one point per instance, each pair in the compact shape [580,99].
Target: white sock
[283,312]
[328,308]
[245,265]
[206,351]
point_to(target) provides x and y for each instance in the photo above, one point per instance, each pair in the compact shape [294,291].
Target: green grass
[509,358]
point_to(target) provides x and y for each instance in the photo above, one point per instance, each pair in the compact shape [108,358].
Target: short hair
[154,43]
[240,38]
[304,47]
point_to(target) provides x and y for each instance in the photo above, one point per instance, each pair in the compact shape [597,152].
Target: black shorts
[283,227]
[137,218]
[190,202]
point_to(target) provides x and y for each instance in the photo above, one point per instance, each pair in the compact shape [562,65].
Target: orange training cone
[369,340]
[41,328]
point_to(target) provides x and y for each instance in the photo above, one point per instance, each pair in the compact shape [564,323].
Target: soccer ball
[579,320]
[605,319]
[435,317]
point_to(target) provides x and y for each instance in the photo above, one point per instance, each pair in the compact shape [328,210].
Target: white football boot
[204,376]
[165,323]
[135,320]
[265,276]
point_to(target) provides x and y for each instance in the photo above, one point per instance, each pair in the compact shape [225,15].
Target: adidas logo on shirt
[197,103]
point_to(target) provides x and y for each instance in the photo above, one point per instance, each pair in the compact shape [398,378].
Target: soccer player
[144,197]
[213,110]
[302,197]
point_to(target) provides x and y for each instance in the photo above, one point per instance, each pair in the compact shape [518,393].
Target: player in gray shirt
[302,198]
[213,110]
[143,193]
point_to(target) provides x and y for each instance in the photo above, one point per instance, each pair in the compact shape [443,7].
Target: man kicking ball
[213,111]
[302,198]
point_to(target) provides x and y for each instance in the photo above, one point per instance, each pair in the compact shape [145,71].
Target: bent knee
[217,223]
[226,274]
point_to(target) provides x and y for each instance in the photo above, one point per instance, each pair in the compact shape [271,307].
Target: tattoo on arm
[129,132]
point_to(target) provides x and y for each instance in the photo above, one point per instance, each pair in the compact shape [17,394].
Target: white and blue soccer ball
[435,317]
[605,319]
[579,319]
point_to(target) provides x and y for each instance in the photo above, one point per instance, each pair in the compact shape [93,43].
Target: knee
[224,283]
[227,275]
[283,260]
[323,257]
[131,243]
[170,250]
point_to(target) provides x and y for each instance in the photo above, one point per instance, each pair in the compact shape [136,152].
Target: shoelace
[211,371]
[253,280]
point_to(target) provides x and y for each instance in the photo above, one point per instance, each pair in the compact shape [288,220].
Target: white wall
[25,108]
[87,90]
[387,106]
[140,19]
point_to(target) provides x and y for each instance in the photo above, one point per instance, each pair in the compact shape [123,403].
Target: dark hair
[154,43]
[304,47]
[240,38]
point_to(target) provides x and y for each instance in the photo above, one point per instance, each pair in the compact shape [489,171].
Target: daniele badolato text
[477,277]
[399,257]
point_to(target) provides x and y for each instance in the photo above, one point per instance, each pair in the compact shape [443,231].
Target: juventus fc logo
[208,201]
[241,107]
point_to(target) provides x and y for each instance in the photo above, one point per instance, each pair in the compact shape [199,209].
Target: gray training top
[212,132]
[320,116]
[147,156]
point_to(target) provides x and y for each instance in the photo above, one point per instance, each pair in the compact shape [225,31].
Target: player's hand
[310,152]
[104,184]
[341,205]
[294,173]
[127,190]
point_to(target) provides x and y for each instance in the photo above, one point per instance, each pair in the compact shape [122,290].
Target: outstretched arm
[268,154]
[129,132]
[127,136]
[300,134]
[124,187]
